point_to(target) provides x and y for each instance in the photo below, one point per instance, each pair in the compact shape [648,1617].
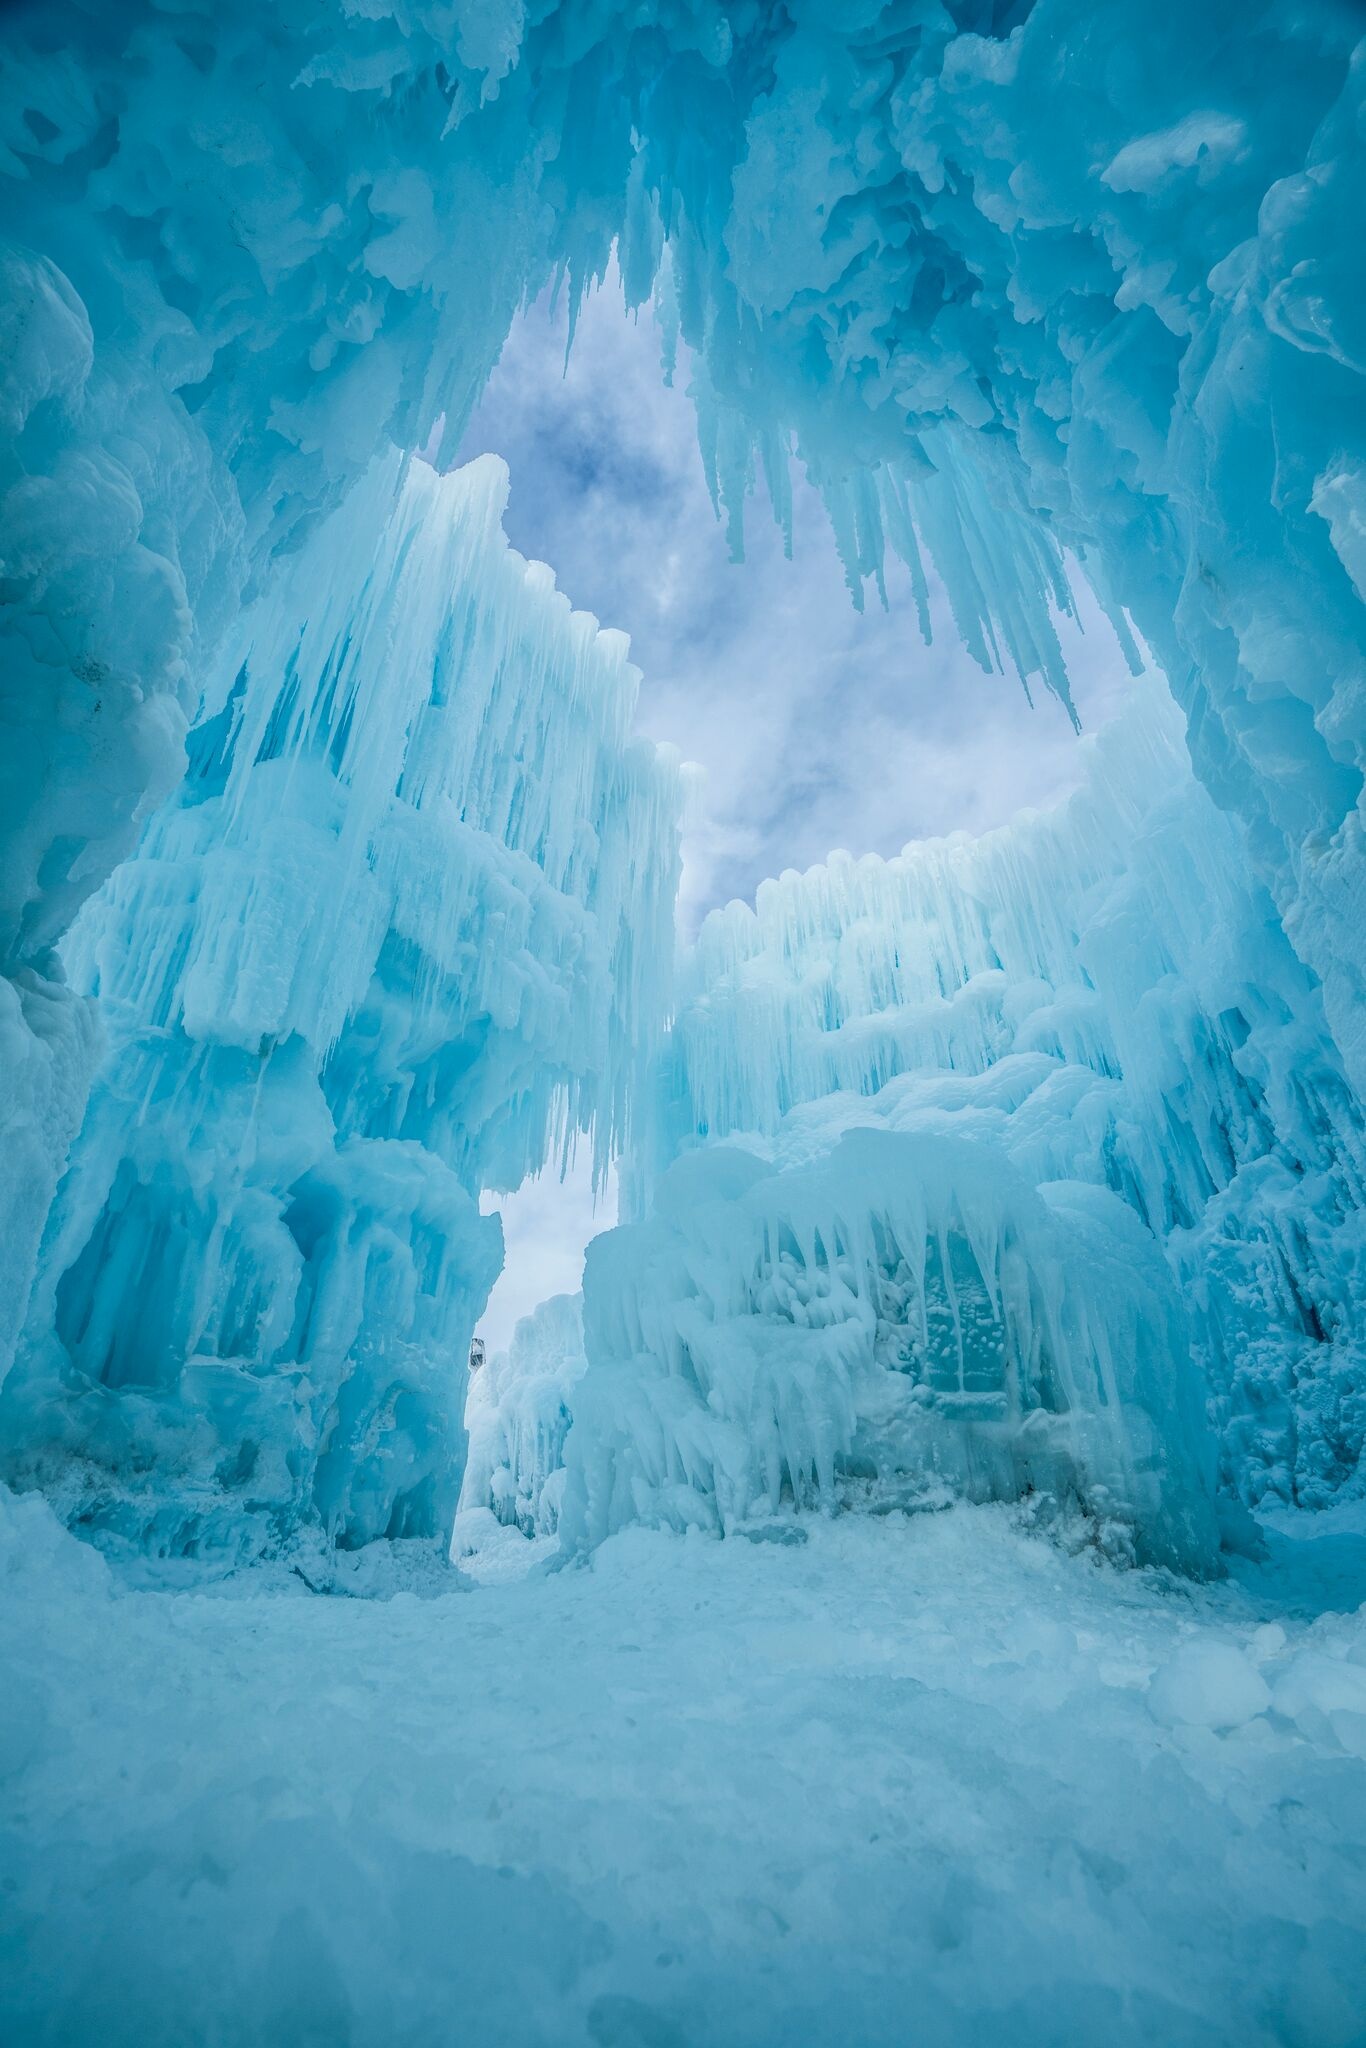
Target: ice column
[404,933]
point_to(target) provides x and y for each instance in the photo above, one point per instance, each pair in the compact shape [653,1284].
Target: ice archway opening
[246,258]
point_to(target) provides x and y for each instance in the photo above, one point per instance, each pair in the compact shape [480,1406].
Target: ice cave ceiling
[1010,283]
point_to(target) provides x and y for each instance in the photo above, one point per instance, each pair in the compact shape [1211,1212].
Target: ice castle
[337,887]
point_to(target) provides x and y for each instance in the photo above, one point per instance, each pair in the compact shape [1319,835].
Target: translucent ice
[405,930]
[1011,281]
[922,1130]
[1106,992]
[903,1310]
[1207,1684]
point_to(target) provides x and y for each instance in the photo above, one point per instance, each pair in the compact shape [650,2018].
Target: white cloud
[816,726]
[546,1225]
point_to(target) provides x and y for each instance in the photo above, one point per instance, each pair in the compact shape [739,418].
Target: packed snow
[860,1780]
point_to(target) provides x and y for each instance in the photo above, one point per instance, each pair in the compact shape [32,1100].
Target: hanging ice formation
[518,1415]
[1009,279]
[921,1129]
[404,931]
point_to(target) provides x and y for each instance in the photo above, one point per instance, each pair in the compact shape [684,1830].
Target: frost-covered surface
[903,1312]
[926,1779]
[1100,994]
[1010,280]
[1029,276]
[921,1132]
[517,1416]
[405,931]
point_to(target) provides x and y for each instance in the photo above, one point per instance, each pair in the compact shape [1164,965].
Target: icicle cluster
[923,1131]
[1104,993]
[904,1311]
[1008,279]
[405,931]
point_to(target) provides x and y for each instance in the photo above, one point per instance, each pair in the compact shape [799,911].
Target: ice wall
[1106,994]
[1008,278]
[241,253]
[900,1320]
[404,932]
[517,1416]
[923,1132]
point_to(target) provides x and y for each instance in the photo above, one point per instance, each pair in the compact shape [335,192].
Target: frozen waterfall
[404,931]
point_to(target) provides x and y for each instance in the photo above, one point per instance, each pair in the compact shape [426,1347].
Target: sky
[814,726]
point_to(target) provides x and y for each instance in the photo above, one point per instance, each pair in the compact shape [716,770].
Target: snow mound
[1208,1685]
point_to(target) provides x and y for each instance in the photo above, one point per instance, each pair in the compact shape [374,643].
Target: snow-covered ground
[907,1781]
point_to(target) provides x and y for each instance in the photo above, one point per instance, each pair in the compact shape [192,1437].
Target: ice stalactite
[1007,280]
[922,1130]
[404,932]
[1106,992]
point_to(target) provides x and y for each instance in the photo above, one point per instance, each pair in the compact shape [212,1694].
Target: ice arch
[1007,278]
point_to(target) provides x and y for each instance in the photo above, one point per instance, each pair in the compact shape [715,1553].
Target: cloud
[546,1225]
[816,726]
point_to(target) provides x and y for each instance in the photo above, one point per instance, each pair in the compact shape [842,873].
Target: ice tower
[404,931]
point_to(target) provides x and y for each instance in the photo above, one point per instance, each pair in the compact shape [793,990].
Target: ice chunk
[1325,1697]
[1208,1684]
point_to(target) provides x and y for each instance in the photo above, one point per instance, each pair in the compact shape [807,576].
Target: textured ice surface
[517,1415]
[404,932]
[1009,280]
[1002,1122]
[904,1776]
[920,1130]
[1028,276]
[1103,991]
[904,1311]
